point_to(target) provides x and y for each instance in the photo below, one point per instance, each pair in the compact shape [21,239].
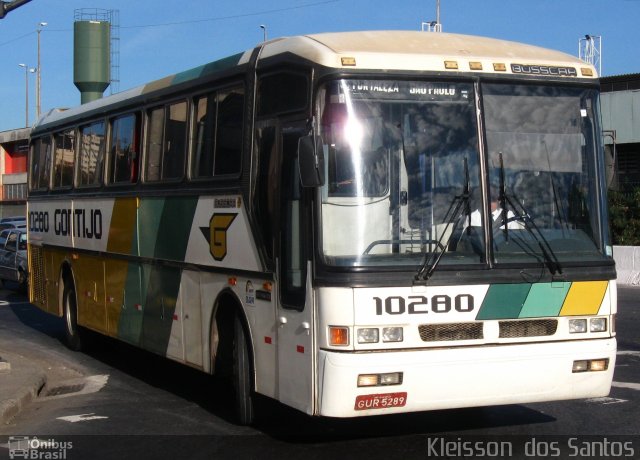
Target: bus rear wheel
[72,331]
[241,375]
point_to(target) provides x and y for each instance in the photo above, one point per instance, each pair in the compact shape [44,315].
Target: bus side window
[154,146]
[64,159]
[229,138]
[40,163]
[167,142]
[204,136]
[124,151]
[91,158]
[217,136]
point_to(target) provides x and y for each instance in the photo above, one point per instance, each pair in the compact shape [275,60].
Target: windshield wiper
[561,214]
[522,215]
[452,216]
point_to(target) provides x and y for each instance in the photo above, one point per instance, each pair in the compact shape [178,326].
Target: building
[14,147]
[621,119]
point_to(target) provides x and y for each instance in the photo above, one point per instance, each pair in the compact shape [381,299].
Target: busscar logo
[216,234]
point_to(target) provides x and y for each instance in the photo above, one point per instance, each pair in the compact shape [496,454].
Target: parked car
[14,219]
[13,256]
[16,224]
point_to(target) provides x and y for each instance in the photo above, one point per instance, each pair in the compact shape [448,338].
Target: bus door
[294,315]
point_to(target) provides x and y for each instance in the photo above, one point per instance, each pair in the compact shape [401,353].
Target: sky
[160,38]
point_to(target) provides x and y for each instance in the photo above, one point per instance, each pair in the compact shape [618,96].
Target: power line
[234,16]
[193,21]
[17,38]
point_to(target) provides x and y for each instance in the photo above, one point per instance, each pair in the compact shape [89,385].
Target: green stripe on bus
[149,215]
[172,220]
[207,69]
[503,301]
[130,325]
[175,228]
[151,291]
[545,299]
[159,308]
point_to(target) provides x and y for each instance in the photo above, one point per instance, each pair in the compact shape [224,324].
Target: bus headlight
[577,326]
[598,324]
[368,335]
[392,334]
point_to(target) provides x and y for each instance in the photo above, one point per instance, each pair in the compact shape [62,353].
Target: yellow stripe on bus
[584,298]
[122,230]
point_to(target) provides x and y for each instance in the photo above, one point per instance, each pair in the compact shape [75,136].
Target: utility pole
[39,74]
[433,26]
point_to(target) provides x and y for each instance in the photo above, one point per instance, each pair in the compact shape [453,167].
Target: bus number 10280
[418,305]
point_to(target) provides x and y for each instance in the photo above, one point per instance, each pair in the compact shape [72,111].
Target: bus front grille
[528,328]
[450,332]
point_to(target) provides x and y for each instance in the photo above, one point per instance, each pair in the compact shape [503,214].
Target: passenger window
[217,145]
[40,164]
[229,138]
[204,136]
[91,158]
[63,159]
[154,148]
[167,142]
[124,149]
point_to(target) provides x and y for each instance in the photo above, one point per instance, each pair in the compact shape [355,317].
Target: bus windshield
[542,141]
[403,172]
[399,155]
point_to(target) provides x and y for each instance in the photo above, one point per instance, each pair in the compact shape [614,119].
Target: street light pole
[26,92]
[39,73]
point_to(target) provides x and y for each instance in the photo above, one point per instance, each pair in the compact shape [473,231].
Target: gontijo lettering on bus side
[80,223]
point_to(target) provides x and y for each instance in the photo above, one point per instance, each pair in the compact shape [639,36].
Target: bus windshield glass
[399,155]
[542,151]
[403,174]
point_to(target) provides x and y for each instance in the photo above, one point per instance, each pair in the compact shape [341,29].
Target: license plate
[381,401]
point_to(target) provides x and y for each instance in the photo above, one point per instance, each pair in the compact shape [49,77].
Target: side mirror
[311,162]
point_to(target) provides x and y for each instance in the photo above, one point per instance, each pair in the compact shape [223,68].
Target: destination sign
[408,90]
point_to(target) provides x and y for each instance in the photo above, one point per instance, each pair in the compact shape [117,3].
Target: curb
[5,366]
[23,382]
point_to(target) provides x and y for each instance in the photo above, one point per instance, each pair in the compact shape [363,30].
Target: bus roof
[369,50]
[423,51]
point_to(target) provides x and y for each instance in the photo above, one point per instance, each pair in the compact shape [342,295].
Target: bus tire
[71,329]
[241,376]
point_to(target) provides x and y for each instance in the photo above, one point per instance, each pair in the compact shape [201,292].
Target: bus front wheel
[242,381]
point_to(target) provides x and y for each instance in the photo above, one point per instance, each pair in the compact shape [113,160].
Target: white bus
[352,224]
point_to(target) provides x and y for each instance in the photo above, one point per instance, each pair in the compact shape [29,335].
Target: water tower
[91,52]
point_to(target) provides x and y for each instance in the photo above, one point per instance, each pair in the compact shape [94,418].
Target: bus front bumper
[461,377]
